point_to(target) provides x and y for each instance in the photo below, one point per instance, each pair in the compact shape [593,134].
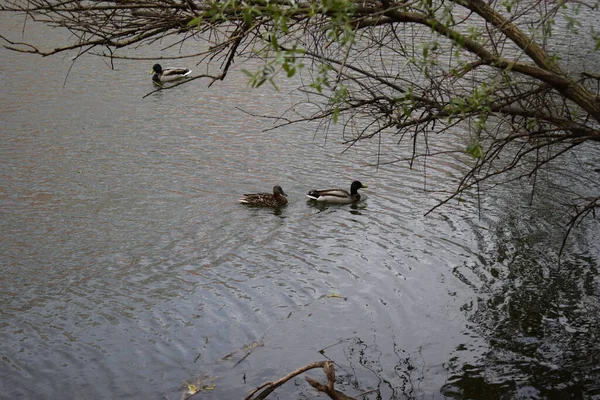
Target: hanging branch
[415,70]
[588,208]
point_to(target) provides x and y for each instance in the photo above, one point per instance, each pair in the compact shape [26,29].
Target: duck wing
[264,200]
[176,71]
[255,197]
[330,193]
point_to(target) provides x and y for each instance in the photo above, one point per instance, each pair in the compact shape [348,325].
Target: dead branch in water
[328,389]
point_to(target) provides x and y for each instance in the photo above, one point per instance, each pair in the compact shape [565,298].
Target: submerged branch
[268,387]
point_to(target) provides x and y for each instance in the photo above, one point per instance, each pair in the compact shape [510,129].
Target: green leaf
[272,82]
[291,71]
[336,115]
[475,150]
[195,21]
[317,86]
[259,82]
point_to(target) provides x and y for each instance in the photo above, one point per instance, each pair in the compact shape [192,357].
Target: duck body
[168,74]
[337,196]
[276,199]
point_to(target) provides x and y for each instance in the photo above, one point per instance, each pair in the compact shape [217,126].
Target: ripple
[127,265]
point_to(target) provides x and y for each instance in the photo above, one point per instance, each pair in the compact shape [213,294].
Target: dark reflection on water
[354,208]
[540,317]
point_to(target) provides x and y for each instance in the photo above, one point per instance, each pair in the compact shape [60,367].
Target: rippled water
[128,268]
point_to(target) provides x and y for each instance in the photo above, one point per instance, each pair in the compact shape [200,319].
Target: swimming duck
[338,196]
[168,74]
[277,199]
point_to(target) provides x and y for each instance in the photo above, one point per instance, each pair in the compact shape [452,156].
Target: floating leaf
[199,384]
[192,389]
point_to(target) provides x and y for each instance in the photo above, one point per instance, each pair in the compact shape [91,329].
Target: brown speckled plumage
[276,199]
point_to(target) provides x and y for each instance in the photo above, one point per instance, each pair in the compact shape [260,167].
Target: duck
[276,199]
[168,74]
[338,196]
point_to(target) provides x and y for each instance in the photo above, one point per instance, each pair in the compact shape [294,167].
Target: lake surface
[128,268]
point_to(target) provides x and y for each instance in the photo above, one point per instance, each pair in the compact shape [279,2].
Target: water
[128,268]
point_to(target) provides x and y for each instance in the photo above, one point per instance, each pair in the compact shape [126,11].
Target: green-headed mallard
[168,74]
[276,199]
[339,196]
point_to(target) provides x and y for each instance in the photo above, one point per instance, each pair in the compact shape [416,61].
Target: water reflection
[258,210]
[128,267]
[539,316]
[354,208]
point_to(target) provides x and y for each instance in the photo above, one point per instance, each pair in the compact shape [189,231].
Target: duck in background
[168,74]
[276,199]
[337,196]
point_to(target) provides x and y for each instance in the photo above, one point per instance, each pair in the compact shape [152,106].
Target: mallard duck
[168,74]
[339,196]
[276,199]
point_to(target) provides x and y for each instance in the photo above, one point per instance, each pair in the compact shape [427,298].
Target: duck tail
[313,194]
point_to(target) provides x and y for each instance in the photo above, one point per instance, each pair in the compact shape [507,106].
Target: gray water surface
[128,268]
